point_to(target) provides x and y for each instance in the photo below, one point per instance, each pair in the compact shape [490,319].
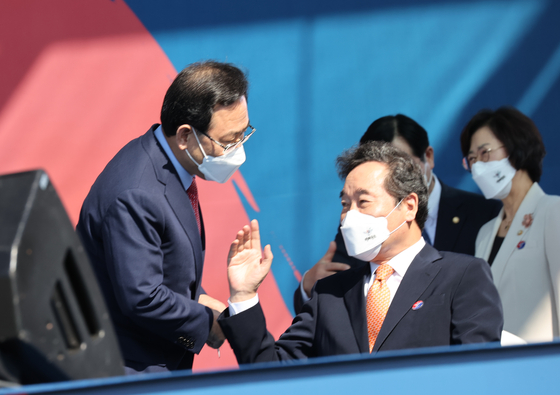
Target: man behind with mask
[408,296]
[142,227]
[454,216]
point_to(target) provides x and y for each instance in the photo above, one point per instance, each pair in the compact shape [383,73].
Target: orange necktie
[192,191]
[378,299]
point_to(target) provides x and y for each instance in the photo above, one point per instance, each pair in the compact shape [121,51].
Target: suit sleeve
[132,235]
[477,315]
[251,342]
[298,299]
[552,251]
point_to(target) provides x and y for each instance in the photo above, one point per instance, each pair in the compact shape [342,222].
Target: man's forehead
[366,176]
[229,121]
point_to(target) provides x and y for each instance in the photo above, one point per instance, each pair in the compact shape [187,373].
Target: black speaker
[54,325]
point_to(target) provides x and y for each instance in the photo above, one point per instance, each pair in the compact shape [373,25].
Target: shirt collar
[403,259]
[184,176]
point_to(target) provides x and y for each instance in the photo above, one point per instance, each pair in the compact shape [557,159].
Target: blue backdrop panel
[322,71]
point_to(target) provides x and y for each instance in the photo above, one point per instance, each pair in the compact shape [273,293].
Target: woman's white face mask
[494,178]
[364,234]
[219,168]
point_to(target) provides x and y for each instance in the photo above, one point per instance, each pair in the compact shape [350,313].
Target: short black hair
[517,132]
[405,176]
[388,127]
[197,90]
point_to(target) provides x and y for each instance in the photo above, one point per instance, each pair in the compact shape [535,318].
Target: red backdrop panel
[79,80]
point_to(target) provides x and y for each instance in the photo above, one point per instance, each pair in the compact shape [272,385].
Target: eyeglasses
[483,154]
[231,146]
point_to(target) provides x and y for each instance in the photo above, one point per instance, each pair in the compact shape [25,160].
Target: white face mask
[426,180]
[364,234]
[219,168]
[494,178]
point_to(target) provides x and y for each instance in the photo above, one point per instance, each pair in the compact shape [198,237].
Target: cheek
[206,144]
[192,145]
[196,153]
[213,150]
[206,147]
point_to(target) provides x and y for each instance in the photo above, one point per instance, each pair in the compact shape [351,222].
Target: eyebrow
[362,191]
[359,191]
[479,147]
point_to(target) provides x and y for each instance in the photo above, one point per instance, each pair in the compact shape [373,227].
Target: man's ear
[182,135]
[410,204]
[429,157]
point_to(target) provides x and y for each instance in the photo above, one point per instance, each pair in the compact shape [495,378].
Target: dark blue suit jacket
[471,212]
[139,230]
[461,305]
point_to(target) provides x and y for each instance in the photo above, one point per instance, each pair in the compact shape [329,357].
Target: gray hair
[405,176]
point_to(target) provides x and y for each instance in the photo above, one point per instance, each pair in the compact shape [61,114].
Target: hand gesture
[324,268]
[216,337]
[247,265]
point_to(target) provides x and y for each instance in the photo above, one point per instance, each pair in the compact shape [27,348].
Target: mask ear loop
[404,222]
[199,146]
[397,228]
[394,208]
[198,142]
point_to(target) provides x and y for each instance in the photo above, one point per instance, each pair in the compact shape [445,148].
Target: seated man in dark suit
[454,216]
[409,295]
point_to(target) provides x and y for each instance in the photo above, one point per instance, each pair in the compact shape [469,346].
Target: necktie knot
[383,272]
[193,190]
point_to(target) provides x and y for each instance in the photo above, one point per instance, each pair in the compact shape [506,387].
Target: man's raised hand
[248,265]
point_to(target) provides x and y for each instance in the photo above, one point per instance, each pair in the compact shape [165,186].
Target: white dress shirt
[433,208]
[399,263]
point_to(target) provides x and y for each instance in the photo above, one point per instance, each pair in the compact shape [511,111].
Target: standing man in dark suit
[409,295]
[142,227]
[454,216]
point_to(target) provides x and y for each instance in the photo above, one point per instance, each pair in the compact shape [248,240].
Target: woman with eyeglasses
[504,151]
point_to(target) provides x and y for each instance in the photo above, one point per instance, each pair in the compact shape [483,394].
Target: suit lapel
[488,240]
[517,231]
[355,302]
[175,194]
[179,202]
[418,277]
